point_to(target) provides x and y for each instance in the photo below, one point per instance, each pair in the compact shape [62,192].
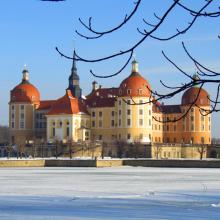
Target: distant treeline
[4,134]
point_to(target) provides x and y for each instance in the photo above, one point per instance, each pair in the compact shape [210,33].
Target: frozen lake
[109,193]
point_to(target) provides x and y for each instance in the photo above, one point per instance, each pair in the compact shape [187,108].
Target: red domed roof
[25,92]
[135,84]
[191,94]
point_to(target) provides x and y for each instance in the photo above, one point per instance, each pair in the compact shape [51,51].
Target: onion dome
[191,94]
[135,84]
[25,91]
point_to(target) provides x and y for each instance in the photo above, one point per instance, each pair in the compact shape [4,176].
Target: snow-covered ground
[109,193]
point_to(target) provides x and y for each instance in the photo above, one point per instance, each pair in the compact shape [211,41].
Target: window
[112,123]
[86,135]
[202,140]
[60,124]
[129,102]
[165,154]
[141,136]
[203,127]
[140,101]
[100,123]
[67,131]
[119,111]
[120,92]
[140,111]
[12,124]
[22,107]
[128,111]
[192,127]
[12,107]
[140,91]
[93,114]
[149,122]
[129,91]
[93,124]
[128,136]
[12,115]
[168,128]
[53,132]
[141,122]
[100,114]
[192,109]
[192,118]
[22,115]
[174,127]
[174,140]
[202,118]
[149,112]
[155,127]
[119,122]
[22,124]
[119,136]
[128,122]
[113,113]
[100,137]
[119,102]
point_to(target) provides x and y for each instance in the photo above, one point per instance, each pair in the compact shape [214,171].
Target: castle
[106,115]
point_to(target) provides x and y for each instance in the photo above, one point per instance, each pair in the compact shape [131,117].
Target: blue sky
[31,29]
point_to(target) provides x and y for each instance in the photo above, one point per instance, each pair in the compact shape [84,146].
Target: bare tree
[202,149]
[157,150]
[208,9]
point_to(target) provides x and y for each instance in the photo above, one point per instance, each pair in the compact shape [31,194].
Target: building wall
[57,126]
[172,151]
[21,122]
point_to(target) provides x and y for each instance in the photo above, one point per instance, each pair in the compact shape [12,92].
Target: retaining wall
[111,163]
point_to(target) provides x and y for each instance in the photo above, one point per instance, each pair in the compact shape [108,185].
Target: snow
[109,193]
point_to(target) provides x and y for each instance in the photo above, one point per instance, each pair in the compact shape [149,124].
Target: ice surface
[109,193]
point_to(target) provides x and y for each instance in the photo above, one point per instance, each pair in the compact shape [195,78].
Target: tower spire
[74,79]
[74,69]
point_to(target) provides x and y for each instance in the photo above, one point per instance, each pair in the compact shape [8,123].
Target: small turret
[95,86]
[134,66]
[25,73]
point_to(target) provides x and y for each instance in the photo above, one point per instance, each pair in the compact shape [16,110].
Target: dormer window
[129,91]
[140,91]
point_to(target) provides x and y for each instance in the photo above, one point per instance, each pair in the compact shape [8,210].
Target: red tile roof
[137,85]
[46,104]
[191,94]
[25,92]
[102,97]
[68,105]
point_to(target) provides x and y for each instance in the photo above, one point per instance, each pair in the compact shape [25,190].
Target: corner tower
[74,80]
[24,99]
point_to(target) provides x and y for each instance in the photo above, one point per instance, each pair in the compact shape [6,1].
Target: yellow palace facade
[107,114]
